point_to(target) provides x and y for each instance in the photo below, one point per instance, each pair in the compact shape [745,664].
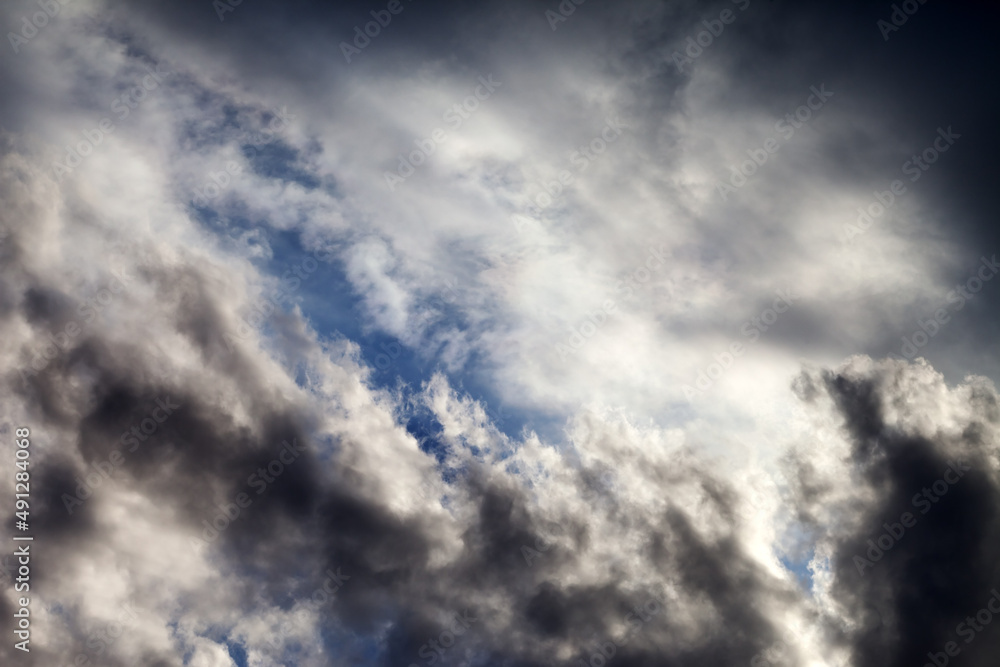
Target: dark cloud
[932,500]
[550,548]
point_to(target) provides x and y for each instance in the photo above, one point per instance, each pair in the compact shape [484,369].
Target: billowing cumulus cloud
[648,333]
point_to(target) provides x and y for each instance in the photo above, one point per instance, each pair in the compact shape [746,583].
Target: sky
[522,333]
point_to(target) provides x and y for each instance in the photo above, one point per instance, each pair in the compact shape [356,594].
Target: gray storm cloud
[203,269]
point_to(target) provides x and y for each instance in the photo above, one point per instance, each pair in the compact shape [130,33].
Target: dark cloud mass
[499,333]
[920,556]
